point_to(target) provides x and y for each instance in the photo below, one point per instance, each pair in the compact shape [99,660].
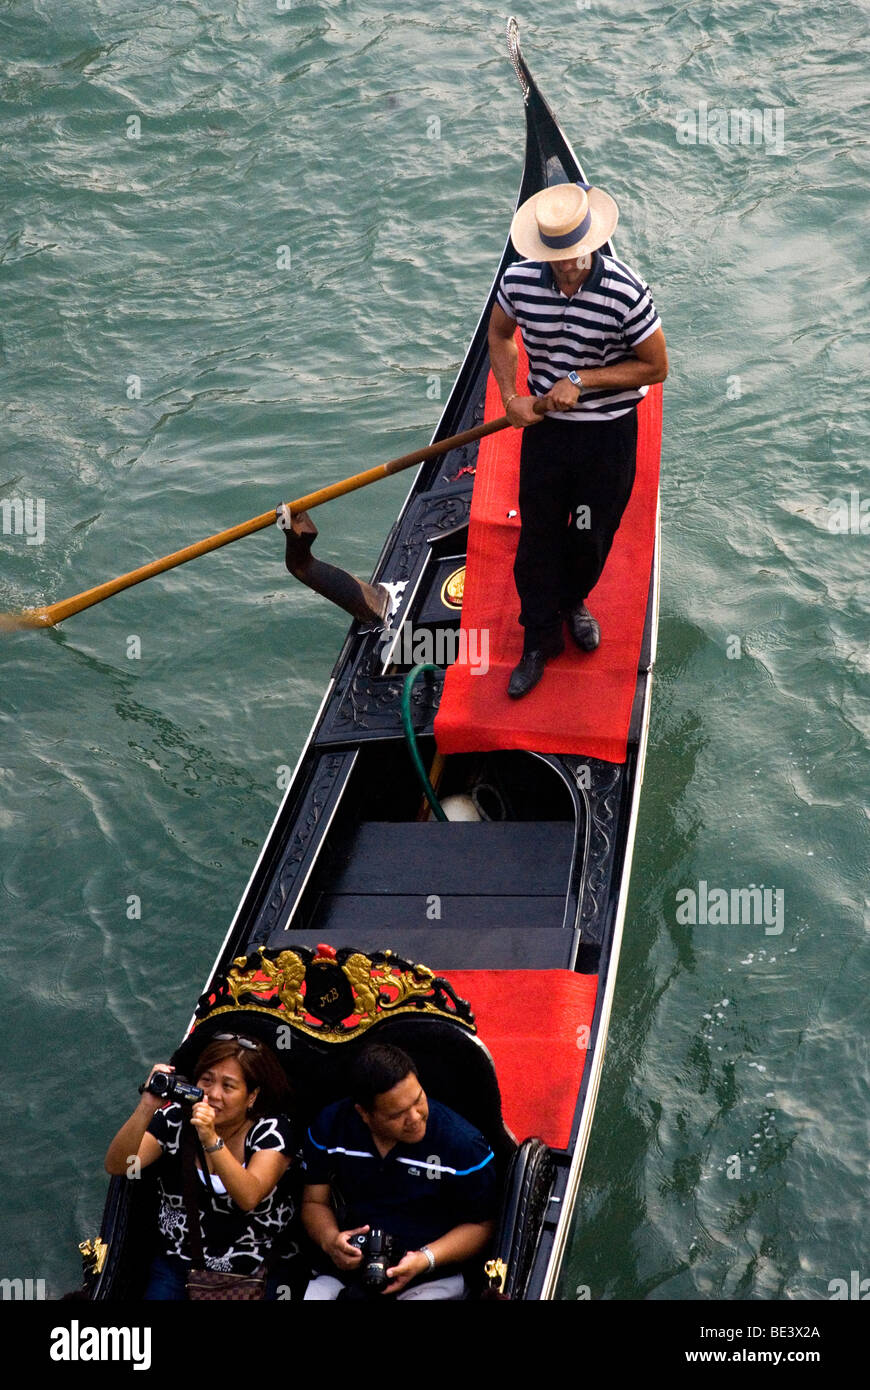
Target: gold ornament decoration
[330,994]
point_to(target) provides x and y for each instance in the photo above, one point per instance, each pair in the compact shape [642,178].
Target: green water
[166,374]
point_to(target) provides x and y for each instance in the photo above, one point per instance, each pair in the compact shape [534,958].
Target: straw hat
[563,221]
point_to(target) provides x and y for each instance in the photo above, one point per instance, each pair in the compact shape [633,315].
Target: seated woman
[248,1144]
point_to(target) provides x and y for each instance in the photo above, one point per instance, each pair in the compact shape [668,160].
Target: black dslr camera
[170,1086]
[380,1252]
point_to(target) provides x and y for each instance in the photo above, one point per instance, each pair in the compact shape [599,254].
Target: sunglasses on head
[236,1038]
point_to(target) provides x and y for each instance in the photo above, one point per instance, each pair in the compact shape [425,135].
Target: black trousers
[575,482]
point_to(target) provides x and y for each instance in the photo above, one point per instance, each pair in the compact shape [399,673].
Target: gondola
[482,936]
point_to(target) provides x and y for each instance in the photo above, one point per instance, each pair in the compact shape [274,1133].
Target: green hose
[411,738]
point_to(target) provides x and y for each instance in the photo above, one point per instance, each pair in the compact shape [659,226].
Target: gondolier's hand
[408,1268]
[341,1252]
[562,396]
[520,411]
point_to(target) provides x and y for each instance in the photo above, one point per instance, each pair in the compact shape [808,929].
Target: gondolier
[595,344]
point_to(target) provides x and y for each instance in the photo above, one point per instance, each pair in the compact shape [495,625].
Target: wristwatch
[575,381]
[213,1148]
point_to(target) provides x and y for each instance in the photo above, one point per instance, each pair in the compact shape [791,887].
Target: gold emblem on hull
[453,589]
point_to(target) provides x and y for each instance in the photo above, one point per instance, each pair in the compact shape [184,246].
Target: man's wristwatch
[574,379]
[424,1250]
[213,1148]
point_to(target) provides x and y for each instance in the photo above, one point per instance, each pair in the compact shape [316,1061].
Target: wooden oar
[57,612]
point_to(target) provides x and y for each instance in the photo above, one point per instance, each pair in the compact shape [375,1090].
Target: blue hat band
[555,243]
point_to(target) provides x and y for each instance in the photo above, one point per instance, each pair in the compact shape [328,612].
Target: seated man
[401,1164]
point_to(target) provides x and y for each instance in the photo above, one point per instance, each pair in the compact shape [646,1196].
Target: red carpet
[583,704]
[532,1021]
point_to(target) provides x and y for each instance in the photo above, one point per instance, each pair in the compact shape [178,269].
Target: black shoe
[583,628]
[526,675]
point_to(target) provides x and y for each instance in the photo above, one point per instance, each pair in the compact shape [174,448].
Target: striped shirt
[610,314]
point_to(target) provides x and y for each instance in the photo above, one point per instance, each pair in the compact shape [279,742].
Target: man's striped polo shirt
[610,313]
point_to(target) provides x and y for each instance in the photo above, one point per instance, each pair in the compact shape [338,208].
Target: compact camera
[170,1086]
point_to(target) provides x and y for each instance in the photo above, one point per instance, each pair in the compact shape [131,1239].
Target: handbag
[210,1285]
[216,1285]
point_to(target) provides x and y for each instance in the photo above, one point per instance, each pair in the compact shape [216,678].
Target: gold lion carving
[358,970]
